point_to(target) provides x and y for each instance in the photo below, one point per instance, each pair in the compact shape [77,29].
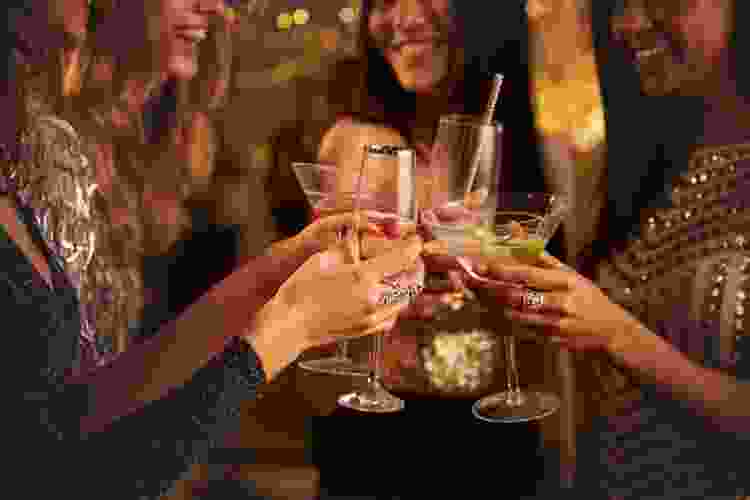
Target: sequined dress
[57,179]
[142,454]
[687,277]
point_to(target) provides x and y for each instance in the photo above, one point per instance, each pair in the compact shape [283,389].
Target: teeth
[195,35]
[641,54]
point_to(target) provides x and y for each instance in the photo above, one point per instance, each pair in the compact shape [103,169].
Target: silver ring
[396,295]
[533,299]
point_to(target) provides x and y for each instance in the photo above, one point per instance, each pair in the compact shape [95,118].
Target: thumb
[581,343]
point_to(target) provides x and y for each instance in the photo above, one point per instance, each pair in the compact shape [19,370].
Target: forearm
[710,392]
[146,372]
[179,430]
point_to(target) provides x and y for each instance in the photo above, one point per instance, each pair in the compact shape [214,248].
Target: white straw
[497,85]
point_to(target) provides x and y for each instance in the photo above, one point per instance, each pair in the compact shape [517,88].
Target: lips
[641,54]
[398,41]
[193,34]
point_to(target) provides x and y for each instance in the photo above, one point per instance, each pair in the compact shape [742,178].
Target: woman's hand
[323,233]
[330,299]
[561,302]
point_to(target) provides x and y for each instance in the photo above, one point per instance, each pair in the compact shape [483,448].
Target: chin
[419,84]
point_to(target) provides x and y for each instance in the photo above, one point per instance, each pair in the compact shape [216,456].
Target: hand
[325,233]
[568,305]
[331,299]
[446,290]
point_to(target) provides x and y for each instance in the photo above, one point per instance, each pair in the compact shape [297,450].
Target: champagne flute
[324,189]
[388,175]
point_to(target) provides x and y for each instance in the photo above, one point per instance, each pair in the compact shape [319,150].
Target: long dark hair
[649,139]
[380,98]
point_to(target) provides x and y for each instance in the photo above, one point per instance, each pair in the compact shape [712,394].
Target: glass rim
[388,149]
[313,164]
[470,120]
[547,196]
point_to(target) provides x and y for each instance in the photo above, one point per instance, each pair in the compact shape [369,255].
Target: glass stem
[342,349]
[377,352]
[514,389]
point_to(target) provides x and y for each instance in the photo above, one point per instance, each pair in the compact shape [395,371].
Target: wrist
[277,338]
[632,338]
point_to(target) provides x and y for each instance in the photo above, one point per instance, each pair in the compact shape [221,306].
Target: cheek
[441,8]
[707,34]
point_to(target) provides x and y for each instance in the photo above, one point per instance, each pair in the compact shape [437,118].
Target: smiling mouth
[642,54]
[398,41]
[193,36]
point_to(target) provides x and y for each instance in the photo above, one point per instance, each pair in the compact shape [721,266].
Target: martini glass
[388,175]
[522,226]
[324,189]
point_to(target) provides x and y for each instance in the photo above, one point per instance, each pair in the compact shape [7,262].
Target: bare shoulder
[344,140]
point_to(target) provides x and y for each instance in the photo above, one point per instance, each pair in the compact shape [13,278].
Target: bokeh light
[347,15]
[284,21]
[301,16]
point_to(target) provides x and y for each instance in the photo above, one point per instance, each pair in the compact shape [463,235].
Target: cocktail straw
[497,85]
[354,242]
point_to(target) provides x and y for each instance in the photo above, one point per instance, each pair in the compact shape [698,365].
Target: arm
[723,399]
[148,371]
[140,455]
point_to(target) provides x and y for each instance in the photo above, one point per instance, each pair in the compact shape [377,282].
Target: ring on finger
[396,295]
[533,299]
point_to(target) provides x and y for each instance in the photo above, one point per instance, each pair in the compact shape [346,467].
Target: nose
[630,21]
[410,14]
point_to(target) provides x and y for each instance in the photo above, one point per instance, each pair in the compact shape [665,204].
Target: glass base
[373,400]
[335,366]
[508,407]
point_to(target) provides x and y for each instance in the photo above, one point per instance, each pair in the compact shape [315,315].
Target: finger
[382,327]
[549,261]
[555,303]
[532,276]
[402,257]
[553,323]
[383,314]
[559,326]
[342,221]
[466,247]
[581,343]
[372,245]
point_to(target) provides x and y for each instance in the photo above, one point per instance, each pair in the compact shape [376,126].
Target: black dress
[138,456]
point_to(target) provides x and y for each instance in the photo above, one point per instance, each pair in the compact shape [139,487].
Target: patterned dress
[687,277]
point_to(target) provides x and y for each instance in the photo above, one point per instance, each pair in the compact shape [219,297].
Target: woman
[671,268]
[411,69]
[140,421]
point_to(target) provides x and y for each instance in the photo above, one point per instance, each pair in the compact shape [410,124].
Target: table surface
[281,425]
